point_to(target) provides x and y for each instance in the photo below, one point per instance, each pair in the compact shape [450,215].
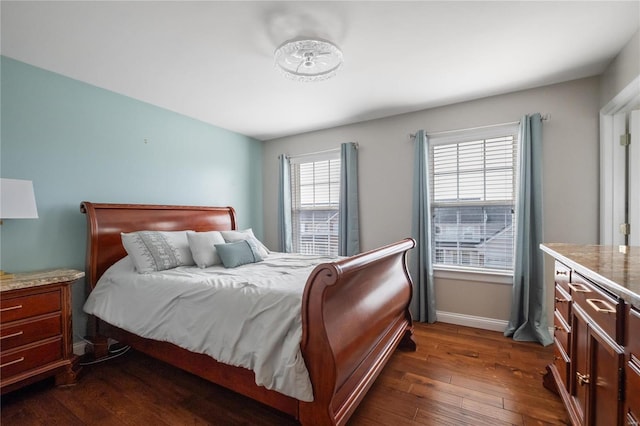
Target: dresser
[36,337]
[596,367]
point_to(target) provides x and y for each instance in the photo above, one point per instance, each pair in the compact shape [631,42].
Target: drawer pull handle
[608,309]
[11,308]
[558,300]
[562,273]
[558,328]
[15,361]
[19,333]
[583,379]
[580,288]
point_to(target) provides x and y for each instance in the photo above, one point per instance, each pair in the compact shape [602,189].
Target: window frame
[461,272]
[329,155]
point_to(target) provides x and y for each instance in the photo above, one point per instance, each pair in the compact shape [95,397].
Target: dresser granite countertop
[608,266]
[37,278]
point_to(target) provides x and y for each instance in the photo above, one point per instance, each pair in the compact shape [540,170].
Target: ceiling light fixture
[308,59]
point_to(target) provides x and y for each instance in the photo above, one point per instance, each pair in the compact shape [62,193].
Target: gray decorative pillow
[157,250]
[233,236]
[239,253]
[202,245]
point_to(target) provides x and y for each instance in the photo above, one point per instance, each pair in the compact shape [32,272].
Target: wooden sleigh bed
[355,313]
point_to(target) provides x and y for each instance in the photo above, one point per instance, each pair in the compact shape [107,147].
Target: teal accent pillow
[239,253]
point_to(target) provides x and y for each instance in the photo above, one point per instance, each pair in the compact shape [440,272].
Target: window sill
[473,274]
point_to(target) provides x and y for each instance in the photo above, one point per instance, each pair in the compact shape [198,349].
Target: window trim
[466,273]
[460,272]
[461,136]
[314,157]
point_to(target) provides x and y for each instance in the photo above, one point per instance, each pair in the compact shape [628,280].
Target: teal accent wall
[78,142]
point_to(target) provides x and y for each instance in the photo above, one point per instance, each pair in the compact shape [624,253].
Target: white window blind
[473,190]
[315,200]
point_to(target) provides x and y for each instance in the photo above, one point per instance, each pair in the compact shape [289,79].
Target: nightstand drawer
[16,308]
[29,331]
[16,362]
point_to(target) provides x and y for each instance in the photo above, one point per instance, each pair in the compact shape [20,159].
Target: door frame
[611,120]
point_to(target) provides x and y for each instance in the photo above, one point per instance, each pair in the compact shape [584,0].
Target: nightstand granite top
[37,278]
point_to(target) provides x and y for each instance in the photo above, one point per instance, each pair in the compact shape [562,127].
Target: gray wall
[621,71]
[386,168]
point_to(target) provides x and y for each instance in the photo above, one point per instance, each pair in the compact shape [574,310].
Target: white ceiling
[213,60]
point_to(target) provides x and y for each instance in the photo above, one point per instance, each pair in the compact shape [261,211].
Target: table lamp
[17,201]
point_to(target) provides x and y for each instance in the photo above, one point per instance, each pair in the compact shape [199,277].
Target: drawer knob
[11,308]
[19,333]
[580,288]
[558,300]
[15,361]
[583,379]
[557,328]
[604,307]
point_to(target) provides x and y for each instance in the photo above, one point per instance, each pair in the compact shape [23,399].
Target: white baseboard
[475,322]
[472,321]
[79,348]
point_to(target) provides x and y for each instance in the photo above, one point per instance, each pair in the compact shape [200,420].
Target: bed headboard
[105,222]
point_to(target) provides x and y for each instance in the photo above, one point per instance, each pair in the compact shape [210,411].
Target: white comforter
[247,316]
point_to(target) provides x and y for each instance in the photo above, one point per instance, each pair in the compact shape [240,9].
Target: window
[315,199]
[473,190]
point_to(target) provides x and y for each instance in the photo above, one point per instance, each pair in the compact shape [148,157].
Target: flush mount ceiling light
[308,59]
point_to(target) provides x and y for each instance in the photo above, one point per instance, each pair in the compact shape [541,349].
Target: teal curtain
[284,205]
[348,222]
[528,320]
[423,302]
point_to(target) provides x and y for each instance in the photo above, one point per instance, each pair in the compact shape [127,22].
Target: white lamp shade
[17,200]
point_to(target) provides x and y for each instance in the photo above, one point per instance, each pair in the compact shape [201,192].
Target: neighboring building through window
[315,200]
[473,190]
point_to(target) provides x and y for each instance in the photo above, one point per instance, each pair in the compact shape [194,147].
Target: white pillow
[203,247]
[233,236]
[157,250]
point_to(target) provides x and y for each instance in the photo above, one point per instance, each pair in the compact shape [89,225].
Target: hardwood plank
[438,413]
[493,411]
[458,376]
[462,392]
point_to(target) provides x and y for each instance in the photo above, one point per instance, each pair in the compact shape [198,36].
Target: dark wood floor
[458,376]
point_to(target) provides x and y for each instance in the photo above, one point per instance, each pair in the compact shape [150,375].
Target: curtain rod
[545,117]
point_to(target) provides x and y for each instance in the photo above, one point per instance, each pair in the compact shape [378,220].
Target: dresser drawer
[632,345]
[563,304]
[27,331]
[633,388]
[18,361]
[561,332]
[604,310]
[562,276]
[562,362]
[16,308]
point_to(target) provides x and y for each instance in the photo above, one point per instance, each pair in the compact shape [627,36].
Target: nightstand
[36,337]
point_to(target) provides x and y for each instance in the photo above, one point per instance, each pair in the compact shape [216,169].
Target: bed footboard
[355,312]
